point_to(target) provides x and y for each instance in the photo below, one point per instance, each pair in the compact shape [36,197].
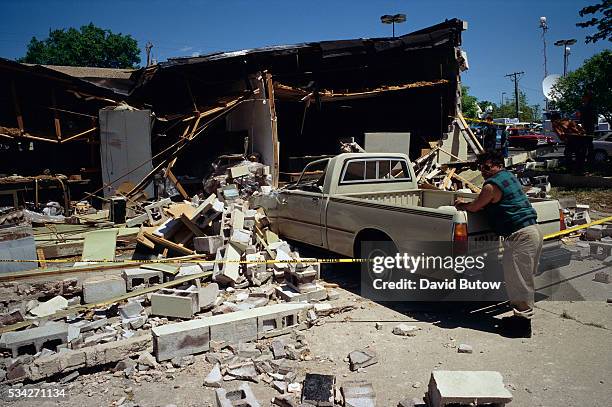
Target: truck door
[301,206]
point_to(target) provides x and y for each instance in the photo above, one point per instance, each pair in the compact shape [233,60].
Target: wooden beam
[275,143]
[56,121]
[470,185]
[167,243]
[78,135]
[178,185]
[446,182]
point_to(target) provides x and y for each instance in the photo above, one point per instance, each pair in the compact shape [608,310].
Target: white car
[602,147]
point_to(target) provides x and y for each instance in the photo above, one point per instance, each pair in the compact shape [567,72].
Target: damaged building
[283,106]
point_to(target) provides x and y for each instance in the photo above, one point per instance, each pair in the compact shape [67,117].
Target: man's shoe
[516,327]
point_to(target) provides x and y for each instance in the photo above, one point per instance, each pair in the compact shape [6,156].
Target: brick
[99,289]
[136,277]
[242,397]
[207,295]
[175,303]
[467,387]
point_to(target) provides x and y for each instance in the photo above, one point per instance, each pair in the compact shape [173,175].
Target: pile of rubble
[154,317]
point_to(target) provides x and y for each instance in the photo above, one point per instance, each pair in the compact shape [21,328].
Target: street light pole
[392,19]
[566,51]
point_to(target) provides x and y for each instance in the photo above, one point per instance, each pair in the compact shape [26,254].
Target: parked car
[528,139]
[602,148]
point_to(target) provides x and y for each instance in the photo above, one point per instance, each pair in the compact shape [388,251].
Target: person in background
[490,135]
[504,141]
[588,121]
[511,215]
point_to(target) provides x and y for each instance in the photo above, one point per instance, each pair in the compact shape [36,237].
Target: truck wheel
[386,248]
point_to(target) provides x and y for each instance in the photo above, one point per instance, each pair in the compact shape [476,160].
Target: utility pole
[515,76]
[544,27]
[148,52]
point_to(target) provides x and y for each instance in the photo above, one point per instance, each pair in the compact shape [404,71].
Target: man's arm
[487,195]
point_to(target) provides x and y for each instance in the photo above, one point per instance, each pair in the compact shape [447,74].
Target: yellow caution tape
[576,228]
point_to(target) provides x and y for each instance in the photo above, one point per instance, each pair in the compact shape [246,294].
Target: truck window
[374,170]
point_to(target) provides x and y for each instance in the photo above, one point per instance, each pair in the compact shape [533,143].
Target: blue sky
[503,36]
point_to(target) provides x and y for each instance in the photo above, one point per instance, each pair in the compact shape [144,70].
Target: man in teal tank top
[511,215]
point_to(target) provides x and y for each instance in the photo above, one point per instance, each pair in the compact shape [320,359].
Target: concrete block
[594,232]
[49,335]
[136,277]
[301,280]
[99,289]
[169,302]
[241,238]
[208,244]
[318,389]
[464,348]
[362,358]
[237,219]
[207,295]
[600,250]
[467,387]
[242,397]
[194,336]
[227,271]
[289,294]
[239,171]
[358,394]
[130,310]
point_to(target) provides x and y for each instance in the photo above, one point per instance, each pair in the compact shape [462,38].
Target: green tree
[603,23]
[592,77]
[469,108]
[527,113]
[89,46]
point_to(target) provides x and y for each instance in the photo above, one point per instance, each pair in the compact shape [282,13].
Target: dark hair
[496,158]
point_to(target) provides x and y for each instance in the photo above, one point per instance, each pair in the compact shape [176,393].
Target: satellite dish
[547,87]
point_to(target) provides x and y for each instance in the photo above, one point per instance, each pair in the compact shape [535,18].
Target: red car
[527,139]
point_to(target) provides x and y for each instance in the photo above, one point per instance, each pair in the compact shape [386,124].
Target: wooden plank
[446,182]
[275,142]
[178,185]
[56,121]
[57,250]
[167,243]
[469,133]
[471,186]
[41,256]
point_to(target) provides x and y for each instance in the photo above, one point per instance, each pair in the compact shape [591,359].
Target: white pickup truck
[357,197]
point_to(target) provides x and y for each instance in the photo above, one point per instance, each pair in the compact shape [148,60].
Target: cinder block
[207,244]
[594,232]
[358,394]
[228,271]
[289,294]
[48,335]
[194,336]
[467,387]
[136,277]
[99,289]
[175,303]
[242,397]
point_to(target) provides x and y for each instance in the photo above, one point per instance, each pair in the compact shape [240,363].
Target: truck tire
[386,249]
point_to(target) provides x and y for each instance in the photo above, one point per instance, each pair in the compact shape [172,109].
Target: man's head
[490,163]
[490,119]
